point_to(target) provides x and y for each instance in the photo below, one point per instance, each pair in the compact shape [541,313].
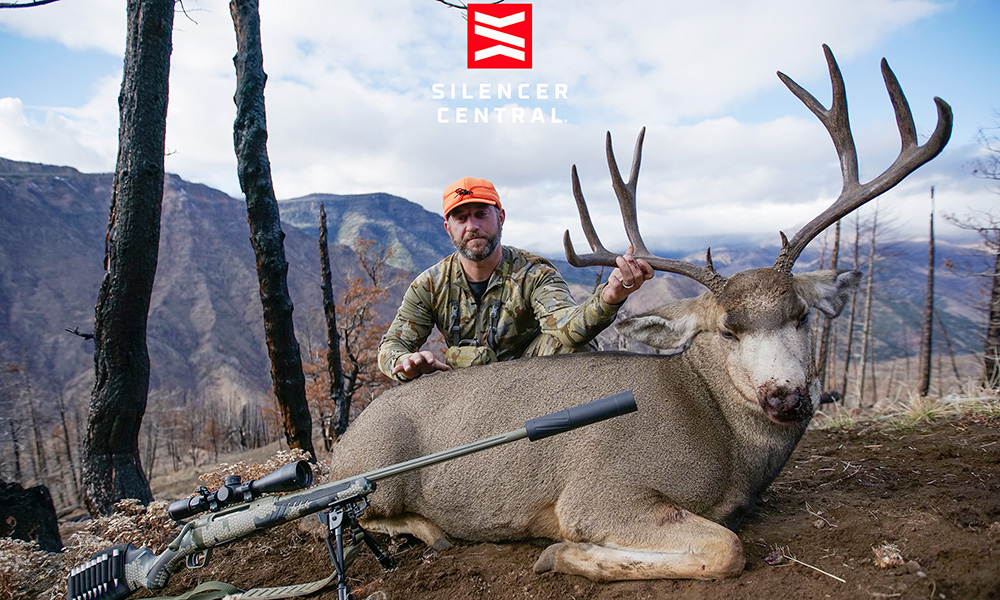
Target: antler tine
[836,119]
[600,256]
[854,194]
[626,192]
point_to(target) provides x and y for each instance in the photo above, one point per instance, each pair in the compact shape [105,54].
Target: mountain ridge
[205,330]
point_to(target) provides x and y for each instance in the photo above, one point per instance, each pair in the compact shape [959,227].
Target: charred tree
[927,325]
[68,448]
[112,469]
[822,366]
[991,364]
[266,236]
[988,167]
[335,370]
[866,331]
[949,346]
[987,224]
[852,313]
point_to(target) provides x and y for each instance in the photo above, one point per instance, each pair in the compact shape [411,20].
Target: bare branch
[76,331]
[458,5]
[26,4]
[988,167]
[184,11]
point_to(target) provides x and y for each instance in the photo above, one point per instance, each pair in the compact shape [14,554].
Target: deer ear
[669,327]
[827,291]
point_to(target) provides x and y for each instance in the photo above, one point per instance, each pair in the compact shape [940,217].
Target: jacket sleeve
[559,315]
[409,330]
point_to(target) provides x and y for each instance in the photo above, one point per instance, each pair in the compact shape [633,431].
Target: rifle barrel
[437,457]
[534,429]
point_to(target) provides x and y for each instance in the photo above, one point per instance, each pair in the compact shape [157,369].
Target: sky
[368,97]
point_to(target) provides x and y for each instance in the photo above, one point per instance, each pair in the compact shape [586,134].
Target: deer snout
[785,405]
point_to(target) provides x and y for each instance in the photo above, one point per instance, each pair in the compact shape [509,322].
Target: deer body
[707,439]
[652,494]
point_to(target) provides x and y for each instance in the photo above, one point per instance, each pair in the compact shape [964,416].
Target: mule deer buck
[654,494]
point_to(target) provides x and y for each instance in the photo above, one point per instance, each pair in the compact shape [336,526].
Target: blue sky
[351,108]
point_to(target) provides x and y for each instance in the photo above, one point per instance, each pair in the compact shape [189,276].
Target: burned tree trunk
[822,366]
[250,139]
[111,466]
[334,368]
[991,369]
[851,315]
[866,328]
[926,329]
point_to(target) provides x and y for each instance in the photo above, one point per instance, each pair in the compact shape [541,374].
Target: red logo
[499,36]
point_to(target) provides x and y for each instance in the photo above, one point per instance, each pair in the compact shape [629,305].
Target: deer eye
[803,321]
[728,335]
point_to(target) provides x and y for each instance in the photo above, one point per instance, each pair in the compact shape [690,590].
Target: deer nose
[786,405]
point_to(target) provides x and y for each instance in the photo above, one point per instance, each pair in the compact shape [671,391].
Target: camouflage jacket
[526,296]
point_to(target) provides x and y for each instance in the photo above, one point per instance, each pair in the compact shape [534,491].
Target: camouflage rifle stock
[236,510]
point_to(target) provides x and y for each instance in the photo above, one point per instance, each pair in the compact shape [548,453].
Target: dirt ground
[901,508]
[925,494]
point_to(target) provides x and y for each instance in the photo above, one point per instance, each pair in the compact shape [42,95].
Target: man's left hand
[627,278]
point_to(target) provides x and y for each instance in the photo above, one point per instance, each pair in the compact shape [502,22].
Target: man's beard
[492,242]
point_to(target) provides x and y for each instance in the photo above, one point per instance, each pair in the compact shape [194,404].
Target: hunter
[494,302]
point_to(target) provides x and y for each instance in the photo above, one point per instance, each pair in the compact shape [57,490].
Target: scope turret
[293,476]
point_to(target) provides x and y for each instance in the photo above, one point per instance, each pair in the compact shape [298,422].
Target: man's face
[475,229]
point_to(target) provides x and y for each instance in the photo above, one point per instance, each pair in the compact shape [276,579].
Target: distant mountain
[205,330]
[205,322]
[416,235]
[900,283]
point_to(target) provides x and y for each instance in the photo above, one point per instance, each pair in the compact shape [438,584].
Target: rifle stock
[116,572]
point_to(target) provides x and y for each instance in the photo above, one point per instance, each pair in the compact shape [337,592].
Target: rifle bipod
[335,520]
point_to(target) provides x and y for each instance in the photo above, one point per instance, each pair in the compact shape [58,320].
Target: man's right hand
[417,364]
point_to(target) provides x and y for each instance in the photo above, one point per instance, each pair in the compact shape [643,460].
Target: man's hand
[419,363]
[626,278]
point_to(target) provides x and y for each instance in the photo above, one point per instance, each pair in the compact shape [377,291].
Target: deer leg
[686,547]
[410,524]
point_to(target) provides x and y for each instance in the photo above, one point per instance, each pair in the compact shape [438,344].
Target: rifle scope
[291,477]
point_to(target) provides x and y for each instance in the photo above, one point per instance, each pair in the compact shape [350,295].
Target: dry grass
[22,565]
[255,470]
[909,411]
[27,572]
[887,556]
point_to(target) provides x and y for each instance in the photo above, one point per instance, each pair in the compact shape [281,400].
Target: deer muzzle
[784,405]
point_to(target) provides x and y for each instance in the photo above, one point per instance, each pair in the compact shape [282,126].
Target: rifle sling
[215,590]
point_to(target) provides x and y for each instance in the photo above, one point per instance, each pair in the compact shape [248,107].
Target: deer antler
[600,256]
[854,194]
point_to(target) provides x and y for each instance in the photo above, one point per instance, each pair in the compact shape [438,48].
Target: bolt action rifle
[237,509]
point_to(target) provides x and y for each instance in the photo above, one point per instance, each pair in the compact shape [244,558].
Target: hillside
[205,332]
[415,234]
[205,323]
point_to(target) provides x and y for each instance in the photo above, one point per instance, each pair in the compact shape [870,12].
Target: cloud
[95,24]
[84,137]
[351,108]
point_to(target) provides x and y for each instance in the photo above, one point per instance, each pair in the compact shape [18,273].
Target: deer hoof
[547,561]
[441,543]
[551,555]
